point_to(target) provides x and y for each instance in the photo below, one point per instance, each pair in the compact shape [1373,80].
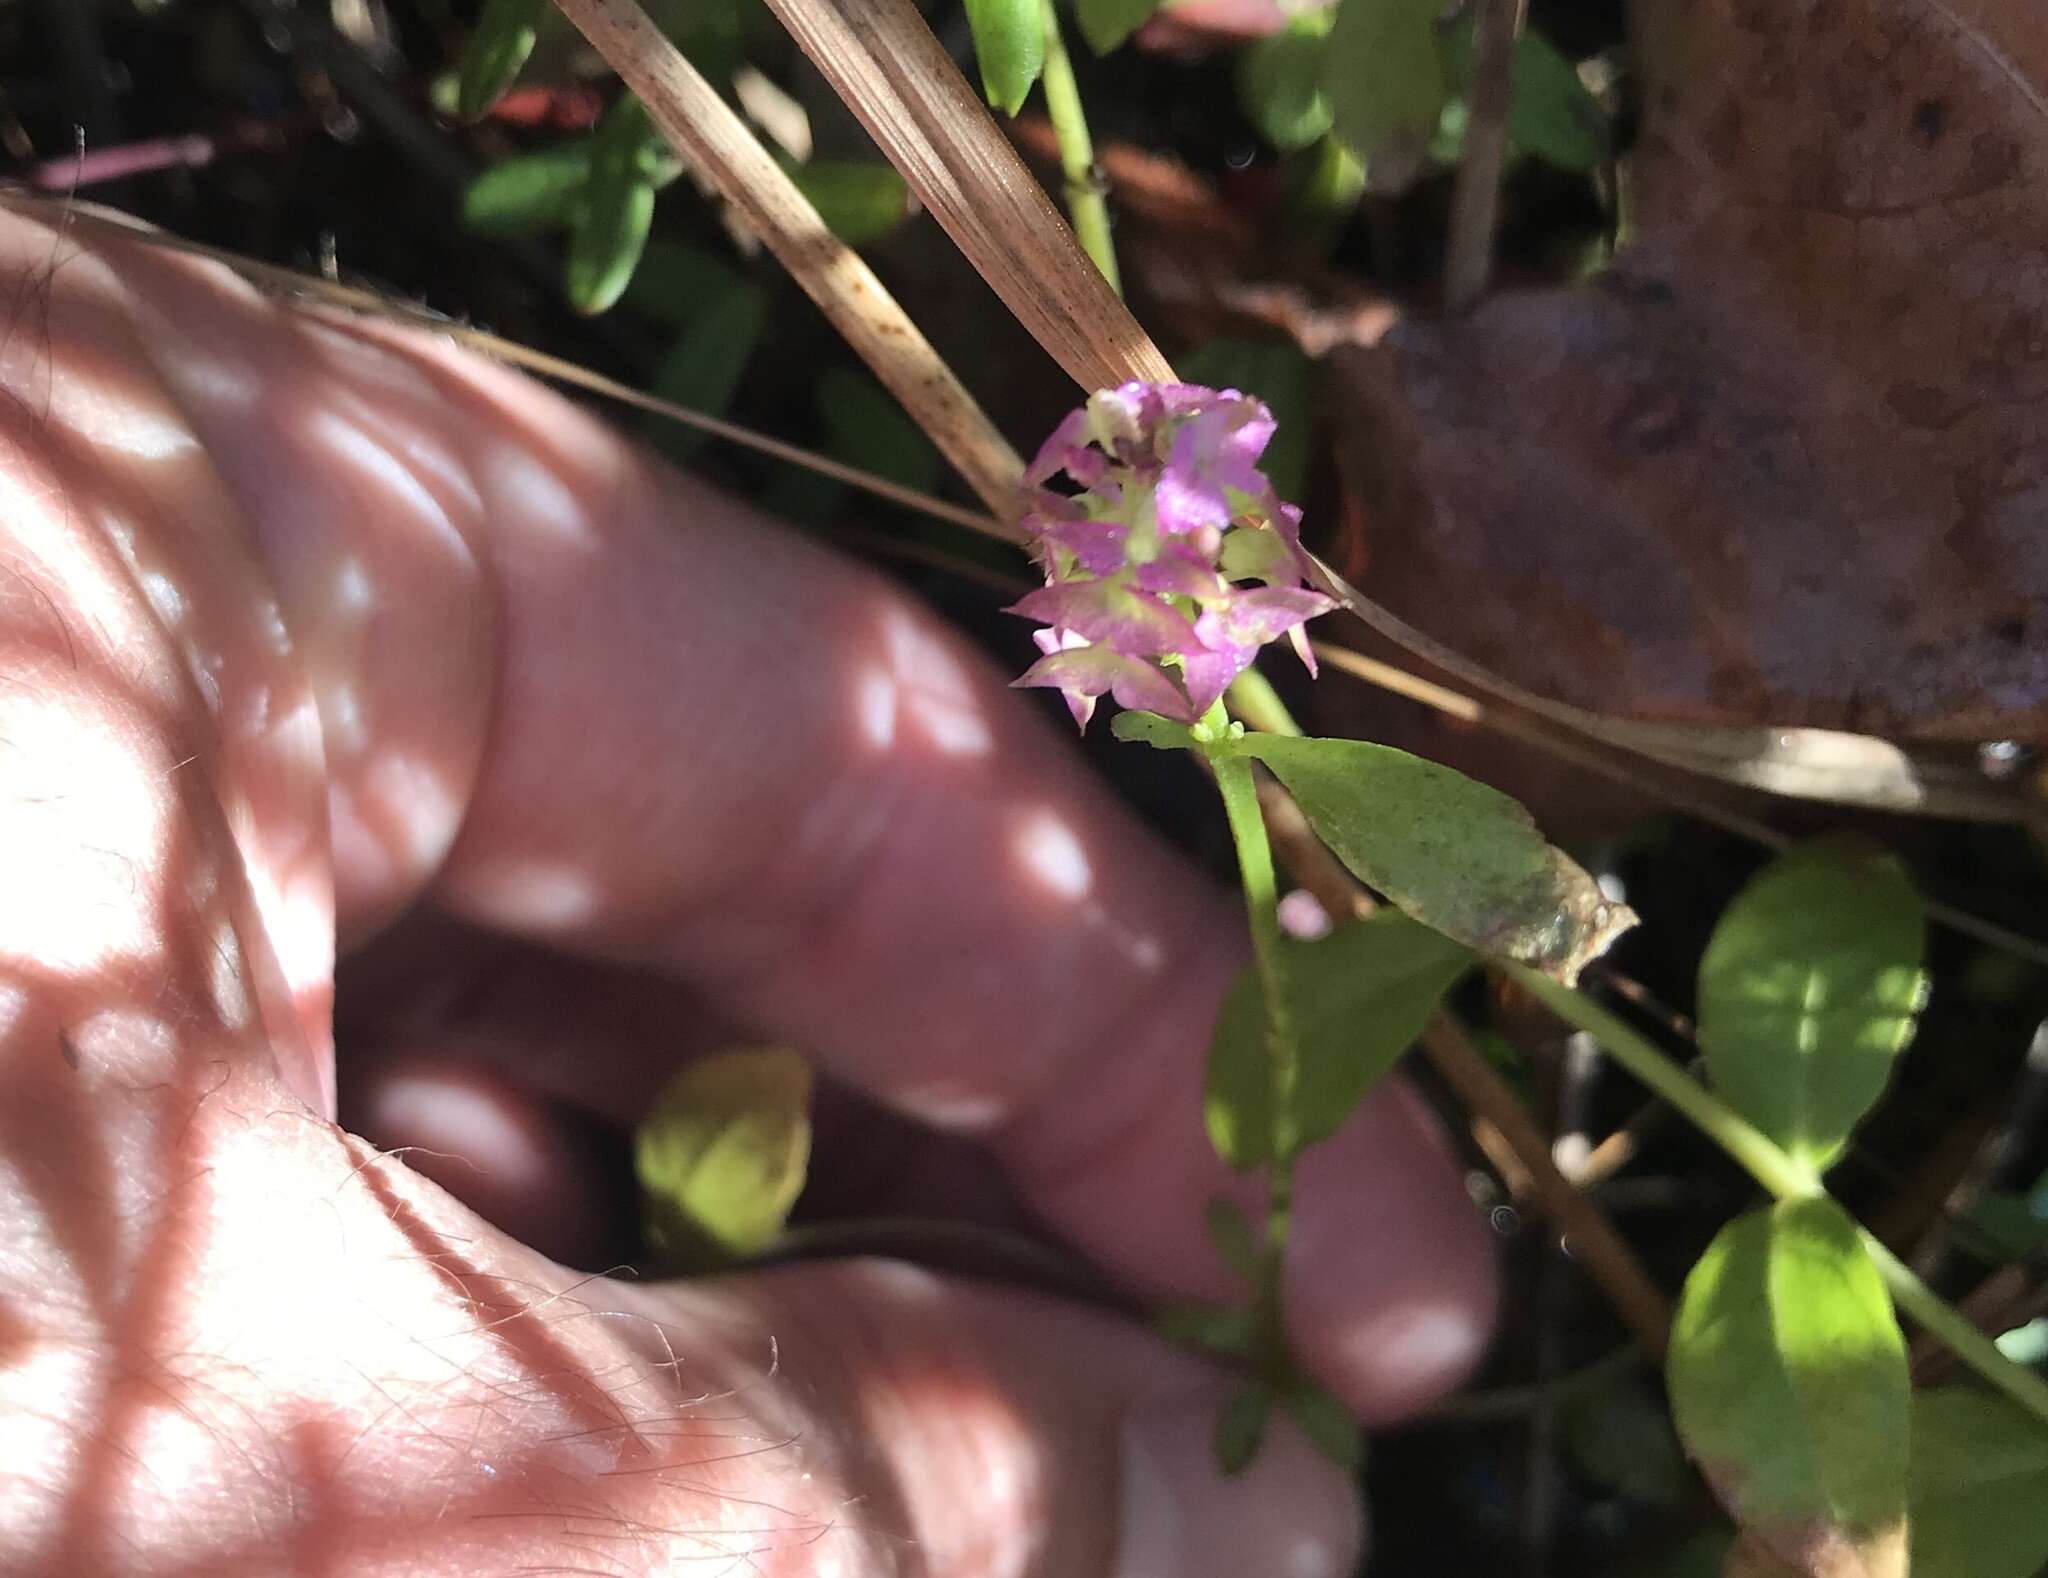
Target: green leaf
[1233,1237]
[618,209]
[1361,996]
[1979,1487]
[1217,1328]
[675,282]
[1327,185]
[1809,989]
[1620,1439]
[721,1155]
[866,426]
[1705,1555]
[1009,43]
[1789,1387]
[1456,855]
[1279,83]
[2003,1226]
[859,201]
[1554,118]
[703,369]
[1107,23]
[1278,372]
[1162,734]
[1241,1427]
[1383,77]
[532,191]
[497,51]
[1332,1427]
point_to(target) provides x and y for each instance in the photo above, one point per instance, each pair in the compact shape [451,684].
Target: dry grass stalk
[1475,208]
[717,143]
[881,58]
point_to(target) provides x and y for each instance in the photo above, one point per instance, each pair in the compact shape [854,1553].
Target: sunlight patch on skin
[342,712]
[164,598]
[227,982]
[1423,1340]
[277,636]
[51,565]
[874,703]
[178,1476]
[43,1389]
[541,895]
[935,693]
[416,800]
[138,434]
[354,592]
[941,1429]
[141,1046]
[1052,857]
[945,1105]
[375,463]
[538,499]
[84,821]
[228,385]
[13,1005]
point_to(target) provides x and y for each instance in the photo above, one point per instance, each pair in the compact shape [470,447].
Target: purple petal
[1190,500]
[1224,443]
[1208,674]
[1254,616]
[1131,622]
[1181,575]
[1084,673]
[1097,546]
[1123,421]
[1054,453]
[1298,639]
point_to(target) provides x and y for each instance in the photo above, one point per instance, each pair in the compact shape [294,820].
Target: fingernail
[1290,1514]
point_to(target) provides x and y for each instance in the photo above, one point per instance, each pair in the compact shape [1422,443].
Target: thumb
[917,1424]
[873,1418]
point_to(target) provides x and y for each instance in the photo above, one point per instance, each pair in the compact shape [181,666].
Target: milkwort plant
[1168,565]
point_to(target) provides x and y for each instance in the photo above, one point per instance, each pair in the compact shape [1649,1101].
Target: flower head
[1174,563]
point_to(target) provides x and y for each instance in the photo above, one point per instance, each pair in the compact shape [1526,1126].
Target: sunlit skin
[313,630]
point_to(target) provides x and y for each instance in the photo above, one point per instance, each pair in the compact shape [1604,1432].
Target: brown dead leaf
[1787,463]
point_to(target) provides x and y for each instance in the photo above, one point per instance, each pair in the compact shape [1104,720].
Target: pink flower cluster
[1174,563]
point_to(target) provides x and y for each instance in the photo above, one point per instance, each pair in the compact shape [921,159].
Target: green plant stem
[1253,699]
[1757,1152]
[1086,205]
[1784,1177]
[1262,898]
[1945,1321]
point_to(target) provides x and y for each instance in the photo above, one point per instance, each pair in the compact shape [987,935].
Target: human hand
[310,627]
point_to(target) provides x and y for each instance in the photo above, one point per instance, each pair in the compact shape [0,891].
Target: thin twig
[1798,762]
[1595,1243]
[2006,1139]
[882,60]
[716,143]
[1475,205]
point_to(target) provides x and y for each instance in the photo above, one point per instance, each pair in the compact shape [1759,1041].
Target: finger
[707,747]
[521,1162]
